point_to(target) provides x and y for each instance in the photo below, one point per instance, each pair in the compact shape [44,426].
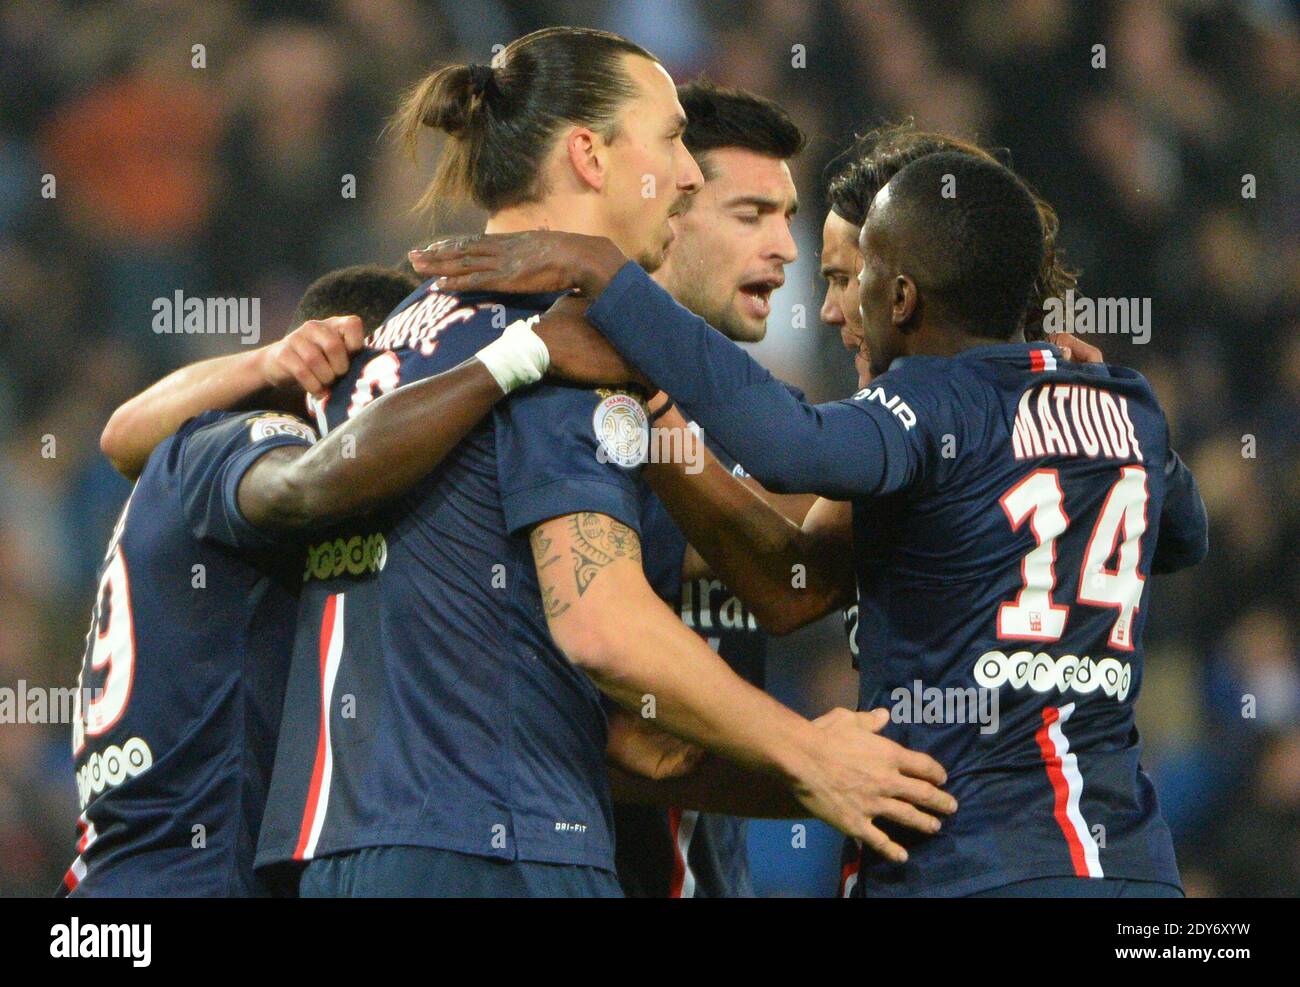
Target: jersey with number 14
[1009,510]
[1004,585]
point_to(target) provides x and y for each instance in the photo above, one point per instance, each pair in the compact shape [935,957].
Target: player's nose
[784,247]
[689,177]
[831,313]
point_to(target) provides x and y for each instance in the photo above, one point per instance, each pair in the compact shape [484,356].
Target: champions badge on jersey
[621,425]
[264,426]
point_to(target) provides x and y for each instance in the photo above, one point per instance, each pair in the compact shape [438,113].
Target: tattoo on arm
[597,541]
[542,554]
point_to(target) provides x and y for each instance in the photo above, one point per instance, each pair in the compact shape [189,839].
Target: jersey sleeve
[841,450]
[663,551]
[1184,537]
[213,461]
[566,450]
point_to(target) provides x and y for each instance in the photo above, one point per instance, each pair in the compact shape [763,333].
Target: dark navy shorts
[1081,887]
[426,872]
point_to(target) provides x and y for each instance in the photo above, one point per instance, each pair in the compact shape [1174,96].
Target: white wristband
[517,357]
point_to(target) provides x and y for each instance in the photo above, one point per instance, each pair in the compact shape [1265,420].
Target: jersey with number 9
[180,690]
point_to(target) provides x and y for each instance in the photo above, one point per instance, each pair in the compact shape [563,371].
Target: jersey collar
[1036,356]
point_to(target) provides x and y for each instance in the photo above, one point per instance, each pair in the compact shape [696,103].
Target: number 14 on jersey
[1038,500]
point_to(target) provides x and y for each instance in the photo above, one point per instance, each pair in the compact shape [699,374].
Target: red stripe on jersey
[1061,790]
[1036,361]
[318,769]
[678,875]
[848,872]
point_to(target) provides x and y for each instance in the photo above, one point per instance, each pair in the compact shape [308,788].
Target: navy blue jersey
[181,686]
[1006,512]
[428,704]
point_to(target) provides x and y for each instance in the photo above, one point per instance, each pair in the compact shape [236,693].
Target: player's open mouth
[756,296]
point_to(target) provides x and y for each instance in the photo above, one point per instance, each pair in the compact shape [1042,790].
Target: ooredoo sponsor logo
[1043,673]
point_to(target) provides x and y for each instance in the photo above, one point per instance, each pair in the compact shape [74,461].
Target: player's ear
[586,155]
[904,302]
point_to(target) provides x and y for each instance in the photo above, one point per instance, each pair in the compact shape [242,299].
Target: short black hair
[365,290]
[856,175]
[719,117]
[973,229]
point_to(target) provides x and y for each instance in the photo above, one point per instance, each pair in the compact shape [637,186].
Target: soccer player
[186,653]
[458,736]
[687,851]
[732,243]
[1006,511]
[181,686]
[855,178]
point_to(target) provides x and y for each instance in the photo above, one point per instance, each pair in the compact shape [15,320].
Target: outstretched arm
[400,438]
[308,360]
[787,574]
[608,621]
[384,451]
[840,450]
[715,784]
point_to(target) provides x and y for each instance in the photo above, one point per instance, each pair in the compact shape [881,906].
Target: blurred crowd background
[221,170]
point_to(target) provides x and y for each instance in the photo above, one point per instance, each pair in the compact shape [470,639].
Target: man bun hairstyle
[502,120]
[453,95]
